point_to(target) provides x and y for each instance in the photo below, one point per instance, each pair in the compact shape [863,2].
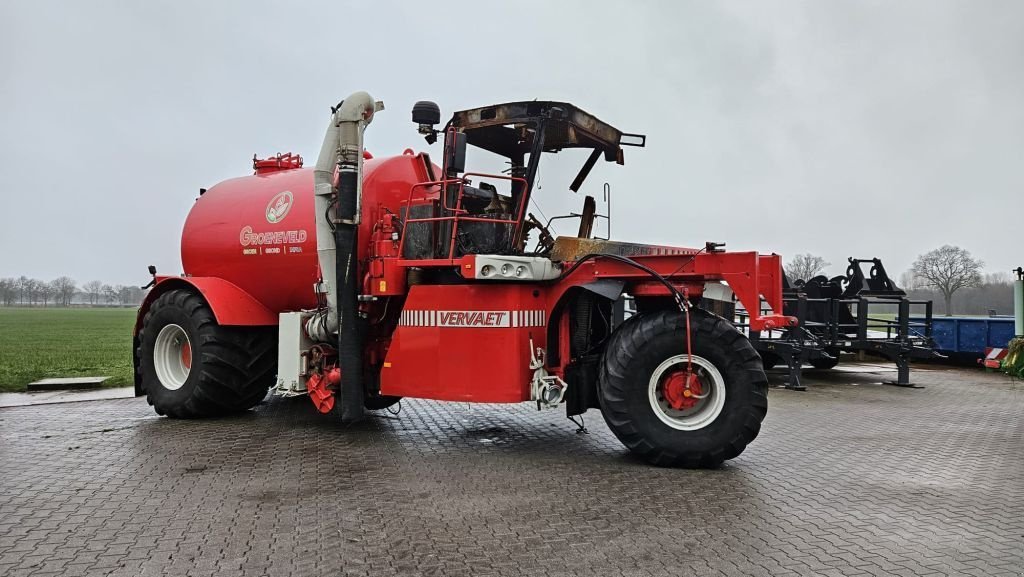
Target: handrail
[457,211]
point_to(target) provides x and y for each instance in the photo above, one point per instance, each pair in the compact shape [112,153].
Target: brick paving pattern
[845,479]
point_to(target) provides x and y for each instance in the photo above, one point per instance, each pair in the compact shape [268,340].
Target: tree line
[949,275]
[64,292]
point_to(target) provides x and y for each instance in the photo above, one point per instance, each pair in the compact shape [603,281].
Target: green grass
[36,343]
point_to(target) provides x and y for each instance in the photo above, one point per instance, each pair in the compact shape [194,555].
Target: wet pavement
[847,478]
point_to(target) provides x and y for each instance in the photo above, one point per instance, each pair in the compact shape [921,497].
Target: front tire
[191,367]
[665,415]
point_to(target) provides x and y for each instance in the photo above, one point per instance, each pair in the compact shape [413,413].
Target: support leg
[903,373]
[794,384]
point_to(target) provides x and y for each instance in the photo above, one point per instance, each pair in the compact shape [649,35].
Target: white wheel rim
[172,357]
[705,411]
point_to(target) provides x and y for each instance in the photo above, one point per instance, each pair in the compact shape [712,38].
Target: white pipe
[353,116]
[343,145]
[320,326]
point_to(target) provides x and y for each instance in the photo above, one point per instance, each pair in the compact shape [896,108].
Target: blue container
[969,336]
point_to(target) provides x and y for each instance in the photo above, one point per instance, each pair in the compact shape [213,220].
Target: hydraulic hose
[681,300]
[350,333]
[343,147]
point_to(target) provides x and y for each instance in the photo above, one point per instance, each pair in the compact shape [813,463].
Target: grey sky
[839,128]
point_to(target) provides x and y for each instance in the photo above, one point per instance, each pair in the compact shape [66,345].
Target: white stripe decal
[516,319]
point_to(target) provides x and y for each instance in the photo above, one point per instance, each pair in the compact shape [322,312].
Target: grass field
[36,343]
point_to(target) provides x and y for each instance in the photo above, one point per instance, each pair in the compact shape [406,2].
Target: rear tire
[192,367]
[721,425]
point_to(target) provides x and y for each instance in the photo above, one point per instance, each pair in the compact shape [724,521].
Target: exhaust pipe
[337,242]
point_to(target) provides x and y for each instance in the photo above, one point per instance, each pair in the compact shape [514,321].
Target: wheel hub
[172,357]
[686,392]
[682,389]
[186,354]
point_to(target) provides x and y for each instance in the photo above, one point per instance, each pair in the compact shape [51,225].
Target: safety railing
[456,214]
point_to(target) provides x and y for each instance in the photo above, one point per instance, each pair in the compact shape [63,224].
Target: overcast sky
[838,128]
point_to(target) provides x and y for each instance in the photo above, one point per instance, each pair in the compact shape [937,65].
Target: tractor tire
[647,355]
[191,367]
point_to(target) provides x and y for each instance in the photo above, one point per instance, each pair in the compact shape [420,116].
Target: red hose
[689,351]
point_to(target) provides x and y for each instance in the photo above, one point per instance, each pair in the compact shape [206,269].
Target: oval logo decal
[279,206]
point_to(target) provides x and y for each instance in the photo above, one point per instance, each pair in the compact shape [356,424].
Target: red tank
[259,232]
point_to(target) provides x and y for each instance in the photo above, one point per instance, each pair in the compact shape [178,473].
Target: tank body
[259,232]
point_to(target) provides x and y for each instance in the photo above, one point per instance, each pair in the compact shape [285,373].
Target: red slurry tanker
[368,279]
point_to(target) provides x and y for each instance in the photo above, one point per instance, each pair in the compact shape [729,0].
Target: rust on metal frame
[570,248]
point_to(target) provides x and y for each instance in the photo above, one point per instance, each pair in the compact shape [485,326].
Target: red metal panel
[231,305]
[466,343]
[259,232]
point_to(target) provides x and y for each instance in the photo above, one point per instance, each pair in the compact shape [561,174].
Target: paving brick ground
[845,479]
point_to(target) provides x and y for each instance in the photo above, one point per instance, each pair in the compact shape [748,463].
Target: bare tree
[997,278]
[131,295]
[112,294]
[23,284]
[64,290]
[45,292]
[948,269]
[30,288]
[8,291]
[93,290]
[805,267]
[908,281]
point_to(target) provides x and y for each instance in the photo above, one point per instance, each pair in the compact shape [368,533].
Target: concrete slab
[50,397]
[67,383]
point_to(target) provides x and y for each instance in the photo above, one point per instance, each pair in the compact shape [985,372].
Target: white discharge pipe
[342,146]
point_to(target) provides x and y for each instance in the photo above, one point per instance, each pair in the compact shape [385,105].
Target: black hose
[350,333]
[680,299]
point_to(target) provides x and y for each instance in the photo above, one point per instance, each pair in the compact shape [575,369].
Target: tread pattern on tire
[615,380]
[238,364]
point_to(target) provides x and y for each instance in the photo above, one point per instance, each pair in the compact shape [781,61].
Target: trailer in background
[966,338]
[856,313]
